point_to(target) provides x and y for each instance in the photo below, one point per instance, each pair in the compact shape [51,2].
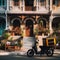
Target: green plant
[6,35]
[48,31]
[41,22]
[2,46]
[20,44]
[36,31]
[11,39]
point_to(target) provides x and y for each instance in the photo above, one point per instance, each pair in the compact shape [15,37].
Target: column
[8,4]
[23,5]
[34,3]
[20,4]
[6,20]
[47,4]
[11,3]
[37,5]
[50,24]
[51,3]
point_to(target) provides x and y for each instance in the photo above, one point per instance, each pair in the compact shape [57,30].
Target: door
[29,28]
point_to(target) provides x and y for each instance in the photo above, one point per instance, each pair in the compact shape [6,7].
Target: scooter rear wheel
[30,53]
[50,52]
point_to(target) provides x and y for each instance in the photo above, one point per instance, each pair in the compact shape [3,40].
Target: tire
[30,53]
[50,52]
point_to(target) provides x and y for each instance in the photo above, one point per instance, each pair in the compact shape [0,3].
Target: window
[53,2]
[3,2]
[29,2]
[43,2]
[56,2]
[16,2]
[0,2]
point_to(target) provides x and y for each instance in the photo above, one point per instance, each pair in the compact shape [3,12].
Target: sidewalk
[2,52]
[56,51]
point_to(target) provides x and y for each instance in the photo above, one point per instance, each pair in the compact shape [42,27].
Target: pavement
[2,52]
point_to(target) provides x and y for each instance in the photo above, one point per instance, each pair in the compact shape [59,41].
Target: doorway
[16,23]
[16,30]
[29,28]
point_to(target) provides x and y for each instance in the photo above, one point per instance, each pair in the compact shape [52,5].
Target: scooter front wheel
[30,53]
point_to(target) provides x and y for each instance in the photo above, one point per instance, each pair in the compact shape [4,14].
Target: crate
[50,41]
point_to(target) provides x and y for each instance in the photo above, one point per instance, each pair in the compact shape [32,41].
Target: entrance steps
[28,42]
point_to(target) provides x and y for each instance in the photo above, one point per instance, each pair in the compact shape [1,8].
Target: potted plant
[6,35]
[47,32]
[36,32]
[20,44]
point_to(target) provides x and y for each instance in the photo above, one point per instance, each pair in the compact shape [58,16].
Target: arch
[43,21]
[16,21]
[16,25]
[2,25]
[27,18]
[29,23]
[29,27]
[56,23]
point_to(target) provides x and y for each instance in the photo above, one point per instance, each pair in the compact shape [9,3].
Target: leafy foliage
[6,35]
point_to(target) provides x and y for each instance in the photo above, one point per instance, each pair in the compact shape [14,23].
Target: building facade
[32,16]
[3,7]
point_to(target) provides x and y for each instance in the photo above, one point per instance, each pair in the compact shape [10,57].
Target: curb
[12,53]
[21,52]
[4,53]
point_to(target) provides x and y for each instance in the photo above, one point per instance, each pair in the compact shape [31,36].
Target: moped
[48,50]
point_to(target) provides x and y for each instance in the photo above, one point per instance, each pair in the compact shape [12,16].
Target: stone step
[28,42]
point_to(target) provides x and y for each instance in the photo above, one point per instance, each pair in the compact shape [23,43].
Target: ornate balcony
[56,10]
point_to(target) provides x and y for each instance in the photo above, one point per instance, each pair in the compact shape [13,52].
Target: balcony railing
[30,10]
[56,9]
